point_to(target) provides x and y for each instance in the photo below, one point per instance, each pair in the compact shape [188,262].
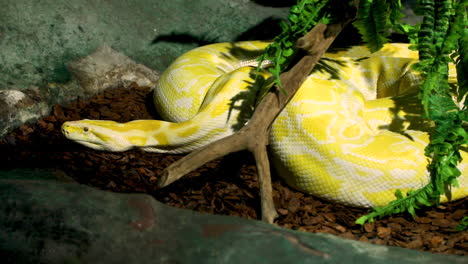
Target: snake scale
[353,135]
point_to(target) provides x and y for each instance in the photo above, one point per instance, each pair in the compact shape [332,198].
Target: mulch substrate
[226,187]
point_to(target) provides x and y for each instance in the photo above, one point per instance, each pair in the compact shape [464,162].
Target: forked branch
[255,135]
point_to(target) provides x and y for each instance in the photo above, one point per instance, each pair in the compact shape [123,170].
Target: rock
[46,221]
[39,38]
[106,68]
[18,107]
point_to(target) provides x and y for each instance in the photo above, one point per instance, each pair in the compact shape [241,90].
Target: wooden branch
[255,135]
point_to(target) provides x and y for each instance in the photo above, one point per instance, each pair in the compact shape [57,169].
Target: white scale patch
[184,103]
[403,174]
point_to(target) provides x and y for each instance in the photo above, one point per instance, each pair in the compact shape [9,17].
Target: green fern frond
[426,35]
[303,16]
[443,24]
[461,55]
[408,203]
[373,20]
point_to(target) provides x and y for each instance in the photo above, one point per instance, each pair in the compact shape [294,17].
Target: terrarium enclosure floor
[227,186]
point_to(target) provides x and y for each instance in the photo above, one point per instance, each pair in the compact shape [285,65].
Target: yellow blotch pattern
[161,138]
[189,131]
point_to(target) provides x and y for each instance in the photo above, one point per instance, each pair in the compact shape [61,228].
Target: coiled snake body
[341,137]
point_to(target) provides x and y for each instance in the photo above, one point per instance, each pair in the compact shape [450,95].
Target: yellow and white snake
[341,137]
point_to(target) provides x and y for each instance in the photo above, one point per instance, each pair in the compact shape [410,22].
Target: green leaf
[463,225]
[288,52]
[398,194]
[293,18]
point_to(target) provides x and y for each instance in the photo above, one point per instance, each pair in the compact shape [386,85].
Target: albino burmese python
[340,138]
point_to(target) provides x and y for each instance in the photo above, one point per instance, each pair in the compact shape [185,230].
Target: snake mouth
[90,144]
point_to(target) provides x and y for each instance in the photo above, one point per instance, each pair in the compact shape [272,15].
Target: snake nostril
[85,129]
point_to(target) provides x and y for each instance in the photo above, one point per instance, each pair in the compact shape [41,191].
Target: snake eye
[85,129]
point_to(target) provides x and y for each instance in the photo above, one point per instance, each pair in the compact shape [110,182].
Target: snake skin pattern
[352,134]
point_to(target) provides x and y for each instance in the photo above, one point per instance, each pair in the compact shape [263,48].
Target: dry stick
[255,135]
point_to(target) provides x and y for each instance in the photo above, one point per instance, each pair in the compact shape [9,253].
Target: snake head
[96,134]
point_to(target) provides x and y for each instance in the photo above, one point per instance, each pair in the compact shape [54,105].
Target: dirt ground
[227,186]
